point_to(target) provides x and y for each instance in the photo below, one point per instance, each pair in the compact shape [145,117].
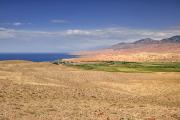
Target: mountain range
[144,50]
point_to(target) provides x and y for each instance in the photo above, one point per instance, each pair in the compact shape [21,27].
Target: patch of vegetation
[116,66]
[57,62]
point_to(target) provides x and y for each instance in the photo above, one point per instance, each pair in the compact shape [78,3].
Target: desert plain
[45,91]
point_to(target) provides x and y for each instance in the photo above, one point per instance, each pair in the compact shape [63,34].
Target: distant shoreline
[35,57]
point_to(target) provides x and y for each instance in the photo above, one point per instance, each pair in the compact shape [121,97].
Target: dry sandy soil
[133,52]
[44,91]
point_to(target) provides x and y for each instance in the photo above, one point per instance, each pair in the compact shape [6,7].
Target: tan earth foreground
[44,91]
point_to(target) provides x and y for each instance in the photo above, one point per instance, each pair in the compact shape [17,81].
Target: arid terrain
[144,50]
[45,91]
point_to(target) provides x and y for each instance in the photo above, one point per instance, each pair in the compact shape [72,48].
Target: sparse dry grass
[30,91]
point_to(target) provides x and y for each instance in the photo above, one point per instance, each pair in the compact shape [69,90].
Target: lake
[36,57]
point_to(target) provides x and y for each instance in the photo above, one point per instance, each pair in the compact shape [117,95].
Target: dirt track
[43,91]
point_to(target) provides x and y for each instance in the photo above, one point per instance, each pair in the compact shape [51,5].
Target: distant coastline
[36,57]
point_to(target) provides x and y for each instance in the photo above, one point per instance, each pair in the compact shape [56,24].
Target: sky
[37,26]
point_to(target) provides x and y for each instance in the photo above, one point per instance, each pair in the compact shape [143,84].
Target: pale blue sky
[73,25]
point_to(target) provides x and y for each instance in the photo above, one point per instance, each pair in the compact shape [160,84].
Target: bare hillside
[39,91]
[165,50]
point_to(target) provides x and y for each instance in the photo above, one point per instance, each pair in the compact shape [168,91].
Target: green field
[112,66]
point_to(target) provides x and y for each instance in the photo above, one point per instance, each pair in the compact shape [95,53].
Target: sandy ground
[43,91]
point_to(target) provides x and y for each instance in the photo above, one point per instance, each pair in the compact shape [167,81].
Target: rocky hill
[165,50]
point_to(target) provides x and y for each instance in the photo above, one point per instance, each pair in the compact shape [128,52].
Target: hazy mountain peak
[174,39]
[146,41]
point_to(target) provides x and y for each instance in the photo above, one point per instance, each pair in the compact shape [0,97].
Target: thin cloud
[6,33]
[121,34]
[58,21]
[15,23]
[77,32]
[78,39]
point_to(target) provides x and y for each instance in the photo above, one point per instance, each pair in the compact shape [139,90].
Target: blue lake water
[36,57]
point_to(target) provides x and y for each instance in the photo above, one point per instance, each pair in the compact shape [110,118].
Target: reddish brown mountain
[142,50]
